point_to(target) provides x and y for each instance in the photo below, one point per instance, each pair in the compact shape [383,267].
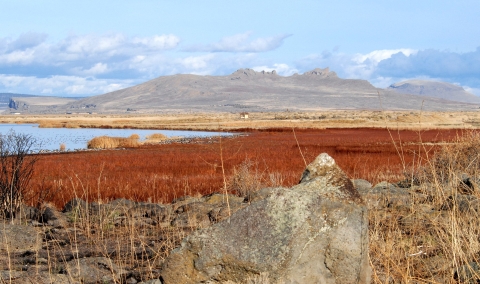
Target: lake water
[77,138]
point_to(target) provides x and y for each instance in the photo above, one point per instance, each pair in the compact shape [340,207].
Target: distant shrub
[455,159]
[156,136]
[16,170]
[246,179]
[106,142]
[134,136]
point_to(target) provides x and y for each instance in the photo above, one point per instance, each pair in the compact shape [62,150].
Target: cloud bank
[384,67]
[94,64]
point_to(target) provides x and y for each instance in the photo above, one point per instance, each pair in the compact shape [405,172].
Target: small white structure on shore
[244,115]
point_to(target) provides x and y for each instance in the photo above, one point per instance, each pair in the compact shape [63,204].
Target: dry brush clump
[157,136]
[247,178]
[107,142]
[435,237]
[16,171]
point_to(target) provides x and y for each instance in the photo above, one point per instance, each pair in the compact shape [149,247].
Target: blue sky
[78,48]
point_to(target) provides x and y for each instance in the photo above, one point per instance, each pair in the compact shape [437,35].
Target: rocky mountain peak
[250,72]
[325,73]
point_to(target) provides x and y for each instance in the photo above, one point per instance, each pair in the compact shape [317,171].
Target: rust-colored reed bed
[160,173]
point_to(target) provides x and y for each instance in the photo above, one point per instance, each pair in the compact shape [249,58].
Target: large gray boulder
[315,232]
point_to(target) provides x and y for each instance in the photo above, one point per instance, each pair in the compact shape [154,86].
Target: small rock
[75,204]
[53,217]
[361,184]
[467,273]
[153,281]
[122,203]
[95,270]
[131,280]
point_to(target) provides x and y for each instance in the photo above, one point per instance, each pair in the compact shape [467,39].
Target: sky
[84,48]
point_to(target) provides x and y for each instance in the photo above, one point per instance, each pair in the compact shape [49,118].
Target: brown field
[160,173]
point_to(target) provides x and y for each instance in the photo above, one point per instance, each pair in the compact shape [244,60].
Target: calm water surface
[77,138]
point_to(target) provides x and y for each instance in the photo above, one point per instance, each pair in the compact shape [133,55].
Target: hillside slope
[436,89]
[248,90]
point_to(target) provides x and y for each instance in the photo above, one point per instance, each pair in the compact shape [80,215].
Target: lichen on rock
[315,232]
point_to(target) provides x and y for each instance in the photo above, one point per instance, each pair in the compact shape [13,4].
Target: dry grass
[156,136]
[134,136]
[248,177]
[106,142]
[262,120]
[435,239]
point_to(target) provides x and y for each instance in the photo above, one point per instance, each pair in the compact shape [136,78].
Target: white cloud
[27,40]
[65,85]
[158,42]
[106,56]
[196,62]
[79,50]
[376,56]
[98,68]
[93,64]
[91,44]
[433,63]
[354,66]
[21,57]
[242,43]
[385,67]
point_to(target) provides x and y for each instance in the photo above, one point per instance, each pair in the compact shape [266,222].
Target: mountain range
[248,90]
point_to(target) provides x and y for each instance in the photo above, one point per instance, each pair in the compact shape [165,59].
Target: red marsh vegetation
[160,173]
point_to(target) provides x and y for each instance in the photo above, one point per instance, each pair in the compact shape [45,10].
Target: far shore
[414,120]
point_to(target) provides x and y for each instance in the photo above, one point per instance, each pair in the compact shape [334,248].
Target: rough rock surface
[315,232]
[16,238]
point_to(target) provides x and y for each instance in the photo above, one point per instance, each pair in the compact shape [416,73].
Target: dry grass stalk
[435,239]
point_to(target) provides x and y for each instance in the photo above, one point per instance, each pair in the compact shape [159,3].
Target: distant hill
[248,90]
[24,104]
[435,89]
[5,98]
